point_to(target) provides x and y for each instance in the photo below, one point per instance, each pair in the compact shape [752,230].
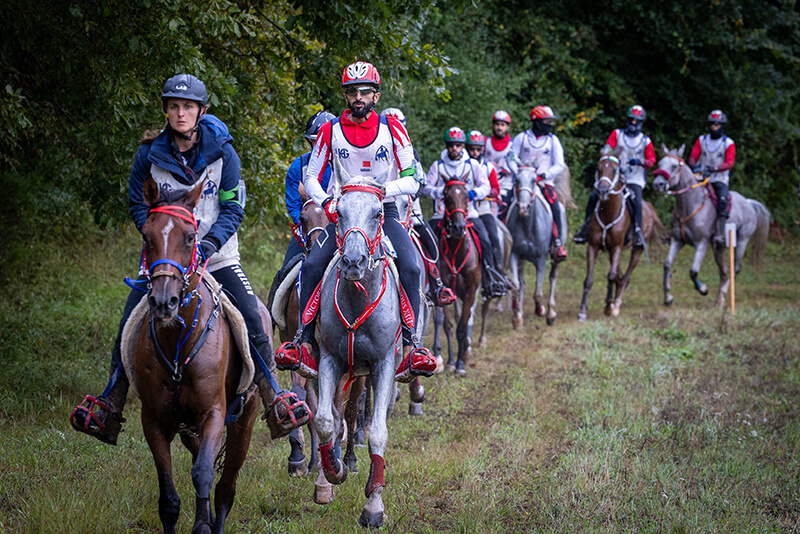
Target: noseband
[668,177]
[372,244]
[612,183]
[448,214]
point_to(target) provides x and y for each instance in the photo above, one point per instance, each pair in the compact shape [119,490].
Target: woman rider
[194,148]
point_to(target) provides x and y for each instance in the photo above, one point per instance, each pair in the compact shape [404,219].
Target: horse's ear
[151,191]
[443,177]
[681,149]
[303,193]
[340,172]
[664,149]
[464,178]
[194,194]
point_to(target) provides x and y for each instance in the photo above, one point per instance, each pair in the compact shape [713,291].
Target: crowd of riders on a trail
[195,147]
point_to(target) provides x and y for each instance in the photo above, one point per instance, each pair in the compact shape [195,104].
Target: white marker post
[730,238]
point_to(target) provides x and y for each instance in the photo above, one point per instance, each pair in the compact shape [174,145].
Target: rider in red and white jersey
[715,154]
[636,155]
[365,144]
[539,148]
[495,150]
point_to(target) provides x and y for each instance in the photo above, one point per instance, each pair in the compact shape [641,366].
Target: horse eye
[377,215]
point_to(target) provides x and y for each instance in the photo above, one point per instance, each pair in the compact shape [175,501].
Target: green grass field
[681,419]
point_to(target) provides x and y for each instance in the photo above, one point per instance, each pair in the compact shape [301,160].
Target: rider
[715,154]
[455,164]
[438,292]
[475,144]
[194,148]
[636,155]
[495,151]
[365,145]
[539,148]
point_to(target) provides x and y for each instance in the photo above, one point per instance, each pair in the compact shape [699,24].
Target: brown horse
[187,366]
[608,228]
[460,268]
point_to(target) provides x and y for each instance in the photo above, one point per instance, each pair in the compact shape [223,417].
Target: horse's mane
[170,197]
[149,136]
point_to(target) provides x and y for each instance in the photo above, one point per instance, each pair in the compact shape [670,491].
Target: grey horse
[693,223]
[368,344]
[530,222]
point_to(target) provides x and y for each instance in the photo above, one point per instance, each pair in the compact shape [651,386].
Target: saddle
[133,327]
[282,286]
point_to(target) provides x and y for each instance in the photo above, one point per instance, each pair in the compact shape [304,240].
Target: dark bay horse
[187,366]
[608,228]
[693,223]
[460,268]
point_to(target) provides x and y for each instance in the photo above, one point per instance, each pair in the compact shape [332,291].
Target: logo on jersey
[382,154]
[165,188]
[343,153]
[366,166]
[210,189]
[357,70]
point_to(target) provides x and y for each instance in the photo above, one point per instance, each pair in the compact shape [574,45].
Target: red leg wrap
[375,479]
[327,456]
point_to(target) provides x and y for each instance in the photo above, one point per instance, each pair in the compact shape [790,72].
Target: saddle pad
[282,295]
[133,328]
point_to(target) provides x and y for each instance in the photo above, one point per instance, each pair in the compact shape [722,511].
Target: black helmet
[315,123]
[184,86]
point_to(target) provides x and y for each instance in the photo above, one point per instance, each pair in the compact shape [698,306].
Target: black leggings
[491,229]
[323,250]
[721,190]
[551,197]
[636,204]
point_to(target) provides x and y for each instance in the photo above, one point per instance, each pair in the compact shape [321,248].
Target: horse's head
[170,246]
[524,182]
[312,220]
[456,205]
[606,176]
[360,209]
[670,169]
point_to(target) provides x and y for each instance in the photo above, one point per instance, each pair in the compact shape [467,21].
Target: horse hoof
[372,519]
[439,365]
[335,478]
[582,317]
[323,494]
[551,321]
[204,528]
[669,300]
[414,408]
[460,368]
[516,323]
[607,310]
[297,469]
[350,461]
[615,311]
[482,343]
[541,310]
[703,289]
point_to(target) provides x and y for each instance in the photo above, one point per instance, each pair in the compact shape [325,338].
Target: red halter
[372,244]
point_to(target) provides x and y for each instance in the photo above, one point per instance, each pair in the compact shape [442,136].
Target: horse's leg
[448,332]
[313,404]
[721,257]
[517,290]
[591,255]
[383,381]
[551,302]
[484,312]
[237,444]
[636,253]
[351,416]
[169,503]
[438,320]
[326,421]
[538,291]
[463,330]
[674,246]
[416,393]
[210,430]
[699,255]
[297,460]
[613,281]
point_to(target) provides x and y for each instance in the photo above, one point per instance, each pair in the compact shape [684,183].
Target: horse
[506,242]
[530,221]
[312,221]
[693,223]
[359,331]
[608,229]
[186,366]
[460,268]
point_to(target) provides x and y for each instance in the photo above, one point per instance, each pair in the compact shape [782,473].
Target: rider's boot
[415,362]
[559,252]
[719,232]
[638,237]
[101,417]
[582,235]
[441,295]
[284,411]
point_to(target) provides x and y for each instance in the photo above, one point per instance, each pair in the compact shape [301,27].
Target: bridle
[303,238]
[448,214]
[518,189]
[669,177]
[372,244]
[612,183]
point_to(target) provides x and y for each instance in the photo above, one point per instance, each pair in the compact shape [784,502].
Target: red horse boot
[290,357]
[416,362]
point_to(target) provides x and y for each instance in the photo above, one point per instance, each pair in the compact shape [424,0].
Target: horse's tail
[655,238]
[563,190]
[761,234]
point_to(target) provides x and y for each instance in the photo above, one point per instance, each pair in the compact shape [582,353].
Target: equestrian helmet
[455,135]
[501,115]
[184,86]
[717,116]
[542,112]
[475,138]
[315,123]
[637,112]
[361,73]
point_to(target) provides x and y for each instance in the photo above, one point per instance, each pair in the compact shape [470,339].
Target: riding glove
[329,205]
[209,246]
[634,161]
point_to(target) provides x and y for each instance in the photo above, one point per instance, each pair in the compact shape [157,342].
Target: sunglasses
[363,91]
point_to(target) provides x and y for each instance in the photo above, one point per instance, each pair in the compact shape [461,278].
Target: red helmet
[501,115]
[542,112]
[475,138]
[717,116]
[360,73]
[637,112]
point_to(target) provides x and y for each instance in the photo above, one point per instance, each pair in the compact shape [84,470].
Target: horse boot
[284,411]
[101,417]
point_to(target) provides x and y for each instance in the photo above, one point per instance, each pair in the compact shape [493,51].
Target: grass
[680,419]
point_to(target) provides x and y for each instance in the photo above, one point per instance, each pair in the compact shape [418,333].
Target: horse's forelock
[171,197]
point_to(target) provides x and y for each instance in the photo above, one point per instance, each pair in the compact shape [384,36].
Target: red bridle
[372,244]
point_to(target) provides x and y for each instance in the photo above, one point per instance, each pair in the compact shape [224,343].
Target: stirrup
[286,413]
[559,254]
[582,235]
[444,296]
[95,417]
[419,362]
[291,357]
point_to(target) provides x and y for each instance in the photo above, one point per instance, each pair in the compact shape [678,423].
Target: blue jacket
[215,143]
[294,177]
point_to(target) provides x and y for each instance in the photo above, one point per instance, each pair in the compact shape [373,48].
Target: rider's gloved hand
[634,161]
[209,245]
[541,176]
[329,205]
[471,195]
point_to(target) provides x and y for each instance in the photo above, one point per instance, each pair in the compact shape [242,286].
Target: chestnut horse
[608,228]
[460,268]
[187,366]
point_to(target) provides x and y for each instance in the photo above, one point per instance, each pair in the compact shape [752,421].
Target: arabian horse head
[456,205]
[525,180]
[669,170]
[171,251]
[606,176]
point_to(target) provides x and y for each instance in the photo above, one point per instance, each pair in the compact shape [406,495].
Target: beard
[364,111]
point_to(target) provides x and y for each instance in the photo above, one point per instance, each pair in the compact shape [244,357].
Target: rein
[301,237]
[450,255]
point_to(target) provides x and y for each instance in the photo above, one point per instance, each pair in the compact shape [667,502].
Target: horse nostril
[173,302]
[152,301]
